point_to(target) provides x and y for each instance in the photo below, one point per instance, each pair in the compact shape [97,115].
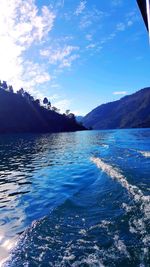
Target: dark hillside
[131,111]
[19,114]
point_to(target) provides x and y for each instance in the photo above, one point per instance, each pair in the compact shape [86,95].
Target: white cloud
[90,46]
[78,112]
[55,85]
[80,8]
[63,104]
[120,93]
[120,27]
[89,37]
[22,26]
[90,17]
[61,56]
[54,97]
[129,22]
[60,3]
[132,17]
[35,74]
[110,37]
[116,3]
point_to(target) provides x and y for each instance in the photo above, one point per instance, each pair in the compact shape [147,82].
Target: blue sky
[78,53]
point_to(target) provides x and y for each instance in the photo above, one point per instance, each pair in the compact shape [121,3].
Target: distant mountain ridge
[79,118]
[132,111]
[20,114]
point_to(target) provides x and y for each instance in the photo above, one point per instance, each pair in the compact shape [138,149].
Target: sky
[78,53]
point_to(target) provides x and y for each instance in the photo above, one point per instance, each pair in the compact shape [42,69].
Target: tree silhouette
[4,85]
[71,116]
[45,101]
[67,112]
[21,92]
[54,109]
[28,97]
[10,88]
[49,105]
[37,102]
[0,84]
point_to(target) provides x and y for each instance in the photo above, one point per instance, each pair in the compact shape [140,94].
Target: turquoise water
[75,199]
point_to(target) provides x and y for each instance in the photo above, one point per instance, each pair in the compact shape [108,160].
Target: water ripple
[64,211]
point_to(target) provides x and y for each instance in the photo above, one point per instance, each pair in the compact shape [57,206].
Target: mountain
[131,111]
[20,114]
[79,118]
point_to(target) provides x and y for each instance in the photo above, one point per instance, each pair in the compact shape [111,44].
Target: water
[75,199]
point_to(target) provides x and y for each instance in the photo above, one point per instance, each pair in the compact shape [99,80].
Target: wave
[145,154]
[137,225]
[116,174]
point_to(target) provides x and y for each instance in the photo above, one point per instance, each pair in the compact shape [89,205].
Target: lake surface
[75,199]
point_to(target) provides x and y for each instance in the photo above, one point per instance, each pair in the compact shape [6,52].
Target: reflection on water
[74,213]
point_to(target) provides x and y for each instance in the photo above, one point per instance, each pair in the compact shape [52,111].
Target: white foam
[145,154]
[69,258]
[139,225]
[121,246]
[103,224]
[82,232]
[116,174]
[105,145]
[92,260]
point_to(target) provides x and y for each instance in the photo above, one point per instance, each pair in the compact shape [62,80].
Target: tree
[45,101]
[67,112]
[4,85]
[1,87]
[71,116]
[37,102]
[10,88]
[54,109]
[49,105]
[28,97]
[21,92]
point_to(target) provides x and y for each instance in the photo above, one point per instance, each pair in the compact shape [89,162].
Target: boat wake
[116,174]
[138,224]
[145,154]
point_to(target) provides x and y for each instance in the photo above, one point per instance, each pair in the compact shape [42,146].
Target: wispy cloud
[35,74]
[121,27]
[61,56]
[120,93]
[80,8]
[128,21]
[90,46]
[51,97]
[89,37]
[22,25]
[91,17]
[116,3]
[39,43]
[63,104]
[78,112]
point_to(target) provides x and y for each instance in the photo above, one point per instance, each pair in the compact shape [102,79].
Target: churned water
[75,199]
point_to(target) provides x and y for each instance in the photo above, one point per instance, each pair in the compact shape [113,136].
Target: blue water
[75,199]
